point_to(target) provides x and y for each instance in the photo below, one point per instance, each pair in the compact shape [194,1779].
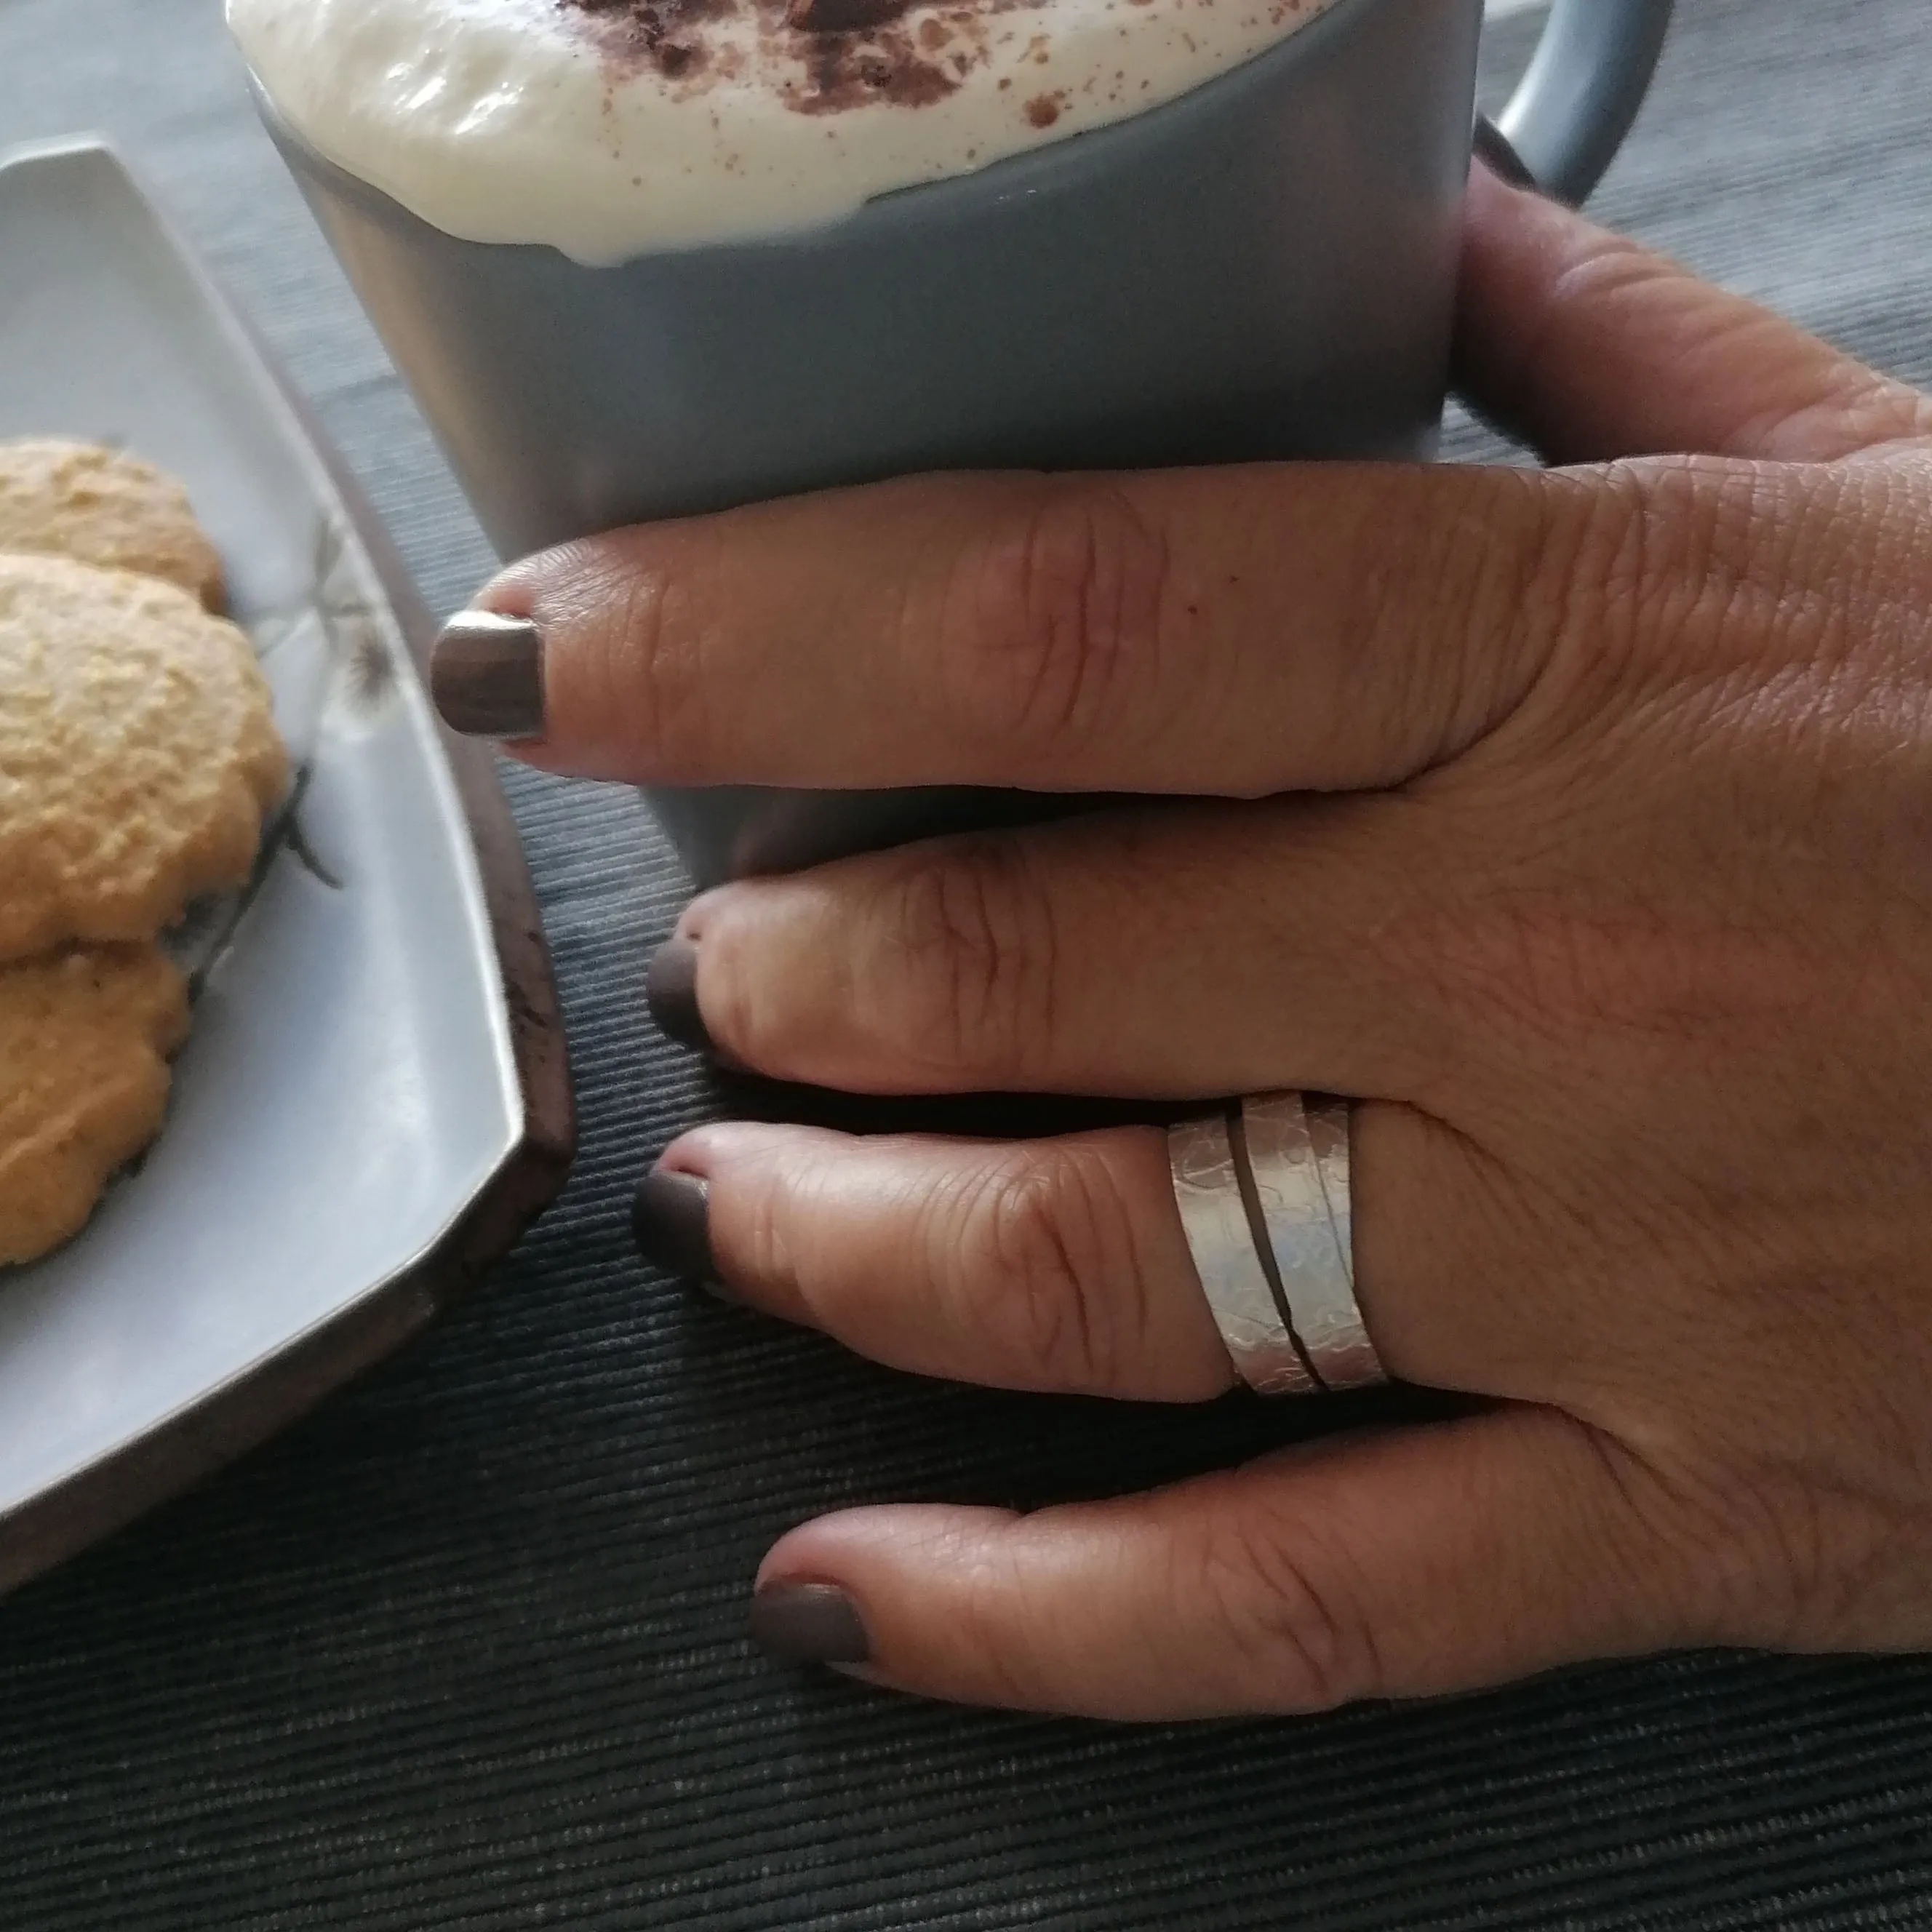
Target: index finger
[1072,634]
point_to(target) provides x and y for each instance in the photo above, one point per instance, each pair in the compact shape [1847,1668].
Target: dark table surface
[464,1648]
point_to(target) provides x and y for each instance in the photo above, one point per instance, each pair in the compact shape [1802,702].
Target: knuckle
[755,1014]
[1068,1302]
[962,971]
[1673,557]
[1572,587]
[645,664]
[1047,614]
[1869,412]
[1282,1592]
[1546,630]
[1665,581]
[1452,666]
[761,1239]
[1002,1622]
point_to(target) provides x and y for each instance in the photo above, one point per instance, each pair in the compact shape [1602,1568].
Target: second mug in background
[1263,268]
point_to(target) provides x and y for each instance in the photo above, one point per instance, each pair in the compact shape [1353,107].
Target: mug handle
[1582,91]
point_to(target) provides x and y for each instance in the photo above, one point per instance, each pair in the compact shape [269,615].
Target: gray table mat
[464,1649]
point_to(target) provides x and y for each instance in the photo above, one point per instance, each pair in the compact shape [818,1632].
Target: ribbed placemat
[464,1648]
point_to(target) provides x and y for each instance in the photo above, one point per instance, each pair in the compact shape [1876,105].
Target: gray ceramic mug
[1263,268]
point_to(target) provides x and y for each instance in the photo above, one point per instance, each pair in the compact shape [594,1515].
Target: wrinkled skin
[1578,822]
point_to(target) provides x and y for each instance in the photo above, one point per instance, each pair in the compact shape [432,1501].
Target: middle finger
[1178,953]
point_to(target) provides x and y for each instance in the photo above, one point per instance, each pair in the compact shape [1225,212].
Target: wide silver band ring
[1264,1194]
[1206,1185]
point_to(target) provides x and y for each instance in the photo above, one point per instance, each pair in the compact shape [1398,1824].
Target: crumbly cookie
[138,753]
[85,1035]
[75,499]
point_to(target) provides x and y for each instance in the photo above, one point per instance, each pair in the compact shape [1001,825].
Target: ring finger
[1057,1265]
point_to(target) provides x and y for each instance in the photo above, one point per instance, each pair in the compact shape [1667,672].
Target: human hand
[1578,823]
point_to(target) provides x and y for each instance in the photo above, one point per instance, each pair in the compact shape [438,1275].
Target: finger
[1074,634]
[1404,1565]
[1062,1264]
[1054,1264]
[1179,954]
[1591,348]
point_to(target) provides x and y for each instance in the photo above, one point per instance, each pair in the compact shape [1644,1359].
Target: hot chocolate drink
[614,128]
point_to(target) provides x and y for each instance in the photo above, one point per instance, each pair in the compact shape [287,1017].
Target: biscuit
[85,1035]
[73,499]
[138,753]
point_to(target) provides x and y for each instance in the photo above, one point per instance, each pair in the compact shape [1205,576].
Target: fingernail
[1494,150]
[671,1219]
[670,991]
[808,1623]
[486,676]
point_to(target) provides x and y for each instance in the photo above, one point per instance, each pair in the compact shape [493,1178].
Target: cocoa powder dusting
[852,53]
[845,71]
[843,16]
[666,35]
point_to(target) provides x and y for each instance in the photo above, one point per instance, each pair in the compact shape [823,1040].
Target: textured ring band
[1298,1156]
[1209,1187]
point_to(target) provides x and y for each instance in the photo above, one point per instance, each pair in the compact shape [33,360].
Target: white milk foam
[613,128]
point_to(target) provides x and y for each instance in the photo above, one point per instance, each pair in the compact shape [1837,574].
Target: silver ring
[1297,1151]
[1207,1186]
[1265,1202]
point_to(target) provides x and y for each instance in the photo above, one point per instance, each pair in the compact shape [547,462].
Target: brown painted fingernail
[671,1218]
[670,991]
[486,676]
[808,1623]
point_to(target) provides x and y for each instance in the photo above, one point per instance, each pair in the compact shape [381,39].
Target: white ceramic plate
[373,1101]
